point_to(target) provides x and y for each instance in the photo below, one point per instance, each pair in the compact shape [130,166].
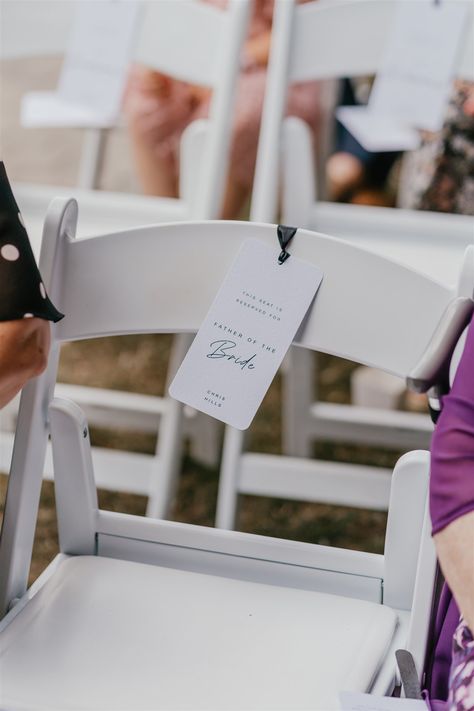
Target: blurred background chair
[298,622]
[303,48]
[89,94]
[200,44]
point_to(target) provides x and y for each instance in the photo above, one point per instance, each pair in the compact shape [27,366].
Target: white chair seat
[113,634]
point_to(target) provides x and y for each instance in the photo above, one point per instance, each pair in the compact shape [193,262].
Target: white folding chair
[35,29]
[132,606]
[201,44]
[303,48]
[189,40]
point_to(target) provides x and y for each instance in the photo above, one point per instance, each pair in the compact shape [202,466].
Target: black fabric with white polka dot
[22,292]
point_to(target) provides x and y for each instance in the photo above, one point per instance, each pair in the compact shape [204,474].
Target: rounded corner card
[246,334]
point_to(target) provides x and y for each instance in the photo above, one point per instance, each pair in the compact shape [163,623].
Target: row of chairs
[133,605]
[299,52]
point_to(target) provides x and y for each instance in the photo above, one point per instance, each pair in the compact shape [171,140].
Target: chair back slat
[163,279]
[32,28]
[339,38]
[169,26]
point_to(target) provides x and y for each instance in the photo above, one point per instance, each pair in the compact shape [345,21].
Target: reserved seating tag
[246,333]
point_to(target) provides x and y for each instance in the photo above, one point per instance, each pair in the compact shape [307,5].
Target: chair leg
[228,492]
[298,389]
[204,439]
[74,485]
[166,465]
[203,431]
[92,158]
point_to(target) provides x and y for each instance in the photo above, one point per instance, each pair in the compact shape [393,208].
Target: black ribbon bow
[285,235]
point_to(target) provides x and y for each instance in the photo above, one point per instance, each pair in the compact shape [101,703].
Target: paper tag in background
[376,132]
[355,701]
[413,84]
[94,71]
[246,334]
[99,53]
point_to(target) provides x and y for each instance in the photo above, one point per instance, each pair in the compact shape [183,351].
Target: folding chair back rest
[39,28]
[201,29]
[361,28]
[182,266]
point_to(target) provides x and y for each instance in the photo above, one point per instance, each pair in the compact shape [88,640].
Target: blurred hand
[24,348]
[154,82]
[199,94]
[257,50]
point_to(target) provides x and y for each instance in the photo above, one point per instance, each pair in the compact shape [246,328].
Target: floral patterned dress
[461,678]
[439,175]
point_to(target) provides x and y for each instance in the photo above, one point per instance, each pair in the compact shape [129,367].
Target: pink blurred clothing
[160,110]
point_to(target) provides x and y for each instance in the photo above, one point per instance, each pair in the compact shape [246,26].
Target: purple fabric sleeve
[452,447]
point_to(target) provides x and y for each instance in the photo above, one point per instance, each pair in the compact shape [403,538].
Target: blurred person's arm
[455,549]
[24,347]
[452,484]
[257,50]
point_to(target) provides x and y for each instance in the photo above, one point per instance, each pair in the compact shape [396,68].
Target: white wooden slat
[35,27]
[403,538]
[423,596]
[115,408]
[235,543]
[361,587]
[74,486]
[356,282]
[352,423]
[114,470]
[332,38]
[356,52]
[433,243]
[101,211]
[307,480]
[187,23]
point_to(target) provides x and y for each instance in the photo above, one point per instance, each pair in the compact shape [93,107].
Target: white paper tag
[413,85]
[99,52]
[376,132]
[246,333]
[419,63]
[355,701]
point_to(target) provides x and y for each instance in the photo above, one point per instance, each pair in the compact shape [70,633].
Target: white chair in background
[304,48]
[42,29]
[201,44]
[132,606]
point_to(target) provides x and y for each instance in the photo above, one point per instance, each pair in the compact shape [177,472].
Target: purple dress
[451,678]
